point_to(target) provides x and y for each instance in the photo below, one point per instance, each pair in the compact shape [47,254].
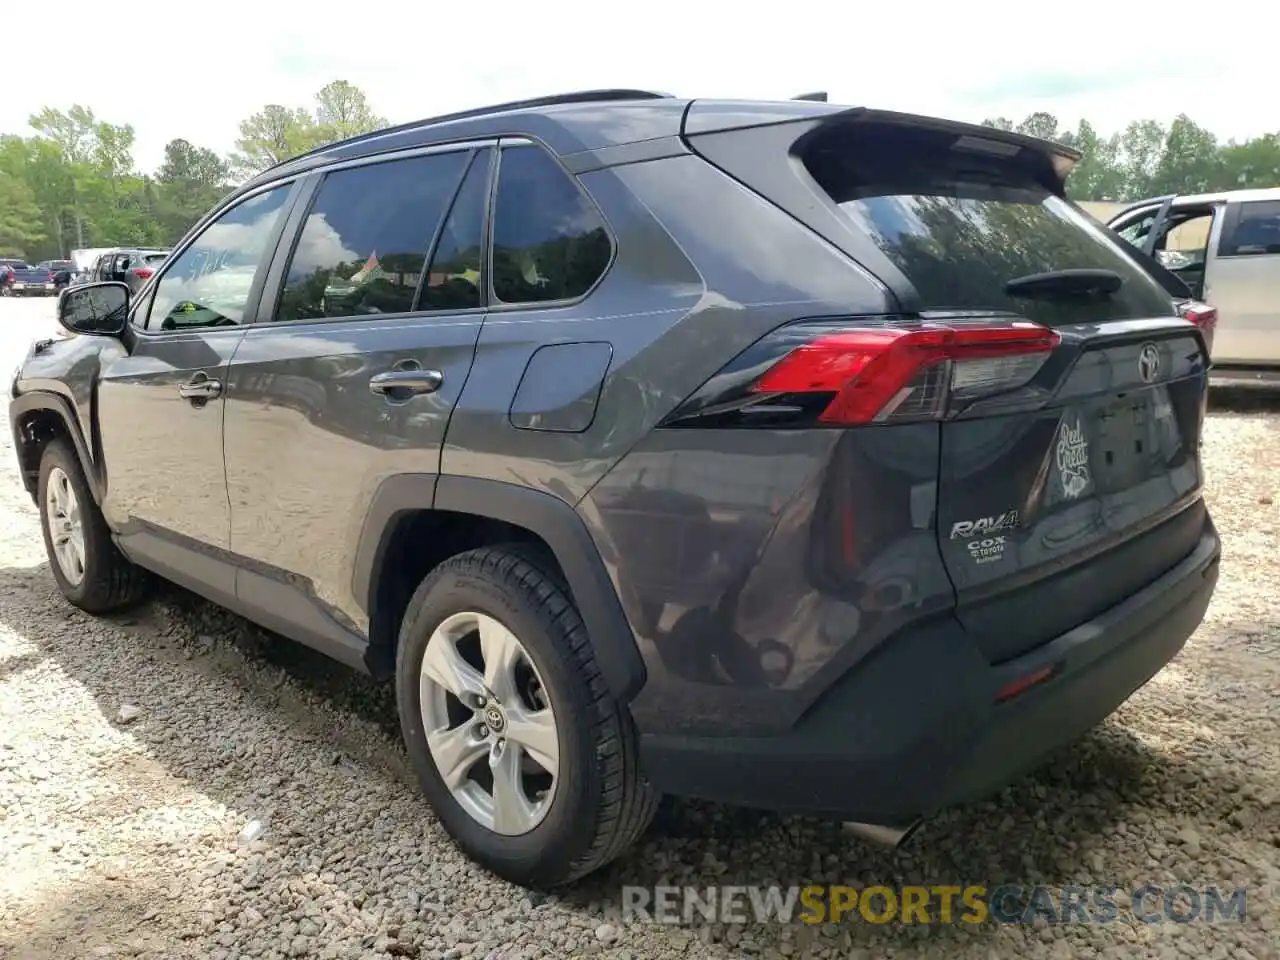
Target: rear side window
[453,279]
[549,241]
[1256,231]
[364,243]
[961,225]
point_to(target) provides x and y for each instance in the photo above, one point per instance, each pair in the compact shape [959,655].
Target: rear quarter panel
[703,268]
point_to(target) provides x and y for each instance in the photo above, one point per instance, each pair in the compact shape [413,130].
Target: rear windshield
[961,225]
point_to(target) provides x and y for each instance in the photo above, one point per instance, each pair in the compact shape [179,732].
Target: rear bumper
[917,727]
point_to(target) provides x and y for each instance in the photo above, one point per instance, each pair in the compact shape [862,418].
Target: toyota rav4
[797,456]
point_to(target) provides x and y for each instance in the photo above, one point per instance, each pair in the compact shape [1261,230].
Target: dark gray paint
[729,579]
[560,389]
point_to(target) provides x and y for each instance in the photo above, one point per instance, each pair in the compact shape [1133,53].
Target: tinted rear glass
[961,225]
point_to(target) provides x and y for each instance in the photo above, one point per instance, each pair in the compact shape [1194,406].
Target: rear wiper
[1065,284]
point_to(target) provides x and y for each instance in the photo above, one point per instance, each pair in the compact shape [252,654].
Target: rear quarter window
[549,241]
[960,227]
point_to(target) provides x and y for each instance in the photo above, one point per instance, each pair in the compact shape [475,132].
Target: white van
[1226,248]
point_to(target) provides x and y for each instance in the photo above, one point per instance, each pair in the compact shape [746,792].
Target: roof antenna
[817,97]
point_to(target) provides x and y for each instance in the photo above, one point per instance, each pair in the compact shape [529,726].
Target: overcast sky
[195,71]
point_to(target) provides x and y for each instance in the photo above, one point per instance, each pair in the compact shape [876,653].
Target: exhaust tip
[886,835]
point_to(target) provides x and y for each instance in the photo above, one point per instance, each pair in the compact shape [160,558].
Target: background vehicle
[26,280]
[1226,248]
[797,456]
[132,267]
[62,270]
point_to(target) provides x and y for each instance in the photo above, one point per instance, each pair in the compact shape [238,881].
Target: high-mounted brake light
[882,373]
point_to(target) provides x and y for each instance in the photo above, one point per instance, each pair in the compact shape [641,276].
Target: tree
[188,184]
[1191,160]
[20,217]
[271,136]
[1040,124]
[185,163]
[343,111]
[75,132]
[1095,176]
[1255,163]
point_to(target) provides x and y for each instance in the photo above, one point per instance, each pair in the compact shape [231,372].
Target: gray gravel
[177,783]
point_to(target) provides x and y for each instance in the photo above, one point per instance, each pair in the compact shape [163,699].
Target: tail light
[862,372]
[143,273]
[1203,316]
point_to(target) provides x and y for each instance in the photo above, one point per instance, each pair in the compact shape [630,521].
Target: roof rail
[817,97]
[582,96]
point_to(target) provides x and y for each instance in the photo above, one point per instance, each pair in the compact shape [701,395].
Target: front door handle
[200,387]
[402,384]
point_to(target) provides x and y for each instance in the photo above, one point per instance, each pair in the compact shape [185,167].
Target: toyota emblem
[1149,363]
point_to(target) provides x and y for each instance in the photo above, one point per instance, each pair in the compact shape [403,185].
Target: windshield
[961,227]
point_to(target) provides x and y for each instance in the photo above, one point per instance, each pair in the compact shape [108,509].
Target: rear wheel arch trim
[550,518]
[44,401]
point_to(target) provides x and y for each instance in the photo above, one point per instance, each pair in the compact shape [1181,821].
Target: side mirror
[101,309]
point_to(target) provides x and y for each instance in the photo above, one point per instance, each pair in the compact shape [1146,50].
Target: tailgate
[1048,517]
[1069,474]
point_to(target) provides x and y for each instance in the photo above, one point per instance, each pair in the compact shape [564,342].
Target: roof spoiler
[716,116]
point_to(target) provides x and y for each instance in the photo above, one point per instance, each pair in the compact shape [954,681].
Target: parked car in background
[63,271]
[1226,248]
[133,267]
[789,455]
[26,280]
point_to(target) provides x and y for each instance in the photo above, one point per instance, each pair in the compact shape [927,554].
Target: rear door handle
[397,384]
[200,387]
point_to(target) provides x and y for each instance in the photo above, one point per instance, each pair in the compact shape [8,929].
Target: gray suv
[796,456]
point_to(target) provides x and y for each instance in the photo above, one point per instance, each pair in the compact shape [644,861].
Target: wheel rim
[62,515]
[489,724]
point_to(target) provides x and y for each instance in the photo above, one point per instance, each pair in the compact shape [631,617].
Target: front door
[350,378]
[160,400]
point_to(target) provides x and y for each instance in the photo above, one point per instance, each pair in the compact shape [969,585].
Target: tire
[108,580]
[599,804]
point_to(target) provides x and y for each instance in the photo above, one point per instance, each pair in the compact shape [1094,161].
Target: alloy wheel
[66,533]
[489,724]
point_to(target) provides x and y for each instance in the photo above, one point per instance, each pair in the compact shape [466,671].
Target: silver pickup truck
[1226,248]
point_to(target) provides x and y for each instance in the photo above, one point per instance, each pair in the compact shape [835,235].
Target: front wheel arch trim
[44,401]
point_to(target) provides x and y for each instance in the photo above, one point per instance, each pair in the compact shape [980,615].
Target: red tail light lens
[860,370]
[143,273]
[1202,315]
[878,374]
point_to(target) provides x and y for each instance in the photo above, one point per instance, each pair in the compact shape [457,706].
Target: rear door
[350,377]
[1244,284]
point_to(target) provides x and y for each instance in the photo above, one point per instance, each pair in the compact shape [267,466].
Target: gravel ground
[136,752]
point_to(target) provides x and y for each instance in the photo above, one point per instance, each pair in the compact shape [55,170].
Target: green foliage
[1148,159]
[73,183]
